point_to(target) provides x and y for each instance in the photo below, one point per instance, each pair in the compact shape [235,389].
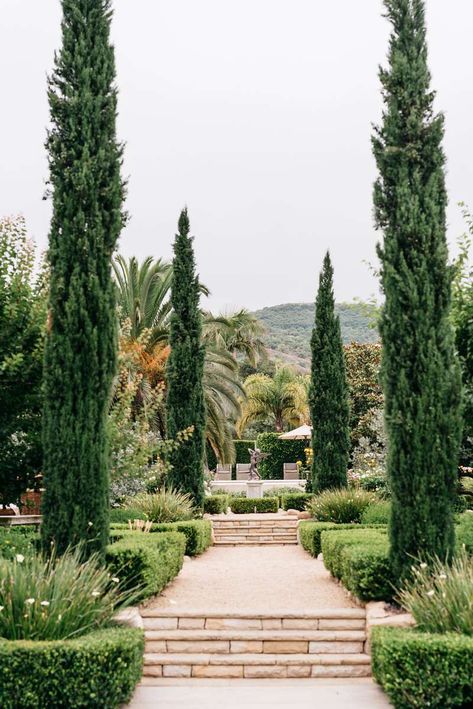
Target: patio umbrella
[304,431]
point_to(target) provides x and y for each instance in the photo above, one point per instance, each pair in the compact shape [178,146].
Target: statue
[256,456]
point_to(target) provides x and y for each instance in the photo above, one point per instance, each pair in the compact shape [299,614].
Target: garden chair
[291,471]
[242,471]
[223,472]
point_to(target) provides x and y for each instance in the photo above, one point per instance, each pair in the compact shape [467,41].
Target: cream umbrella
[300,433]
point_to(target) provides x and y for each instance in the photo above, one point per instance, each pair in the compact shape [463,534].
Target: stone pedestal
[254,489]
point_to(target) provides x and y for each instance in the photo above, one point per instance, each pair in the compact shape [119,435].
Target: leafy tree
[363,362]
[80,357]
[328,397]
[280,400]
[185,369]
[22,324]
[240,333]
[421,376]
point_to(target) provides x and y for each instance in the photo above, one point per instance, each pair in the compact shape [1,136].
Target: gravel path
[262,578]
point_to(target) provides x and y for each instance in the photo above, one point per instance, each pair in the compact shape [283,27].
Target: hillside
[289,326]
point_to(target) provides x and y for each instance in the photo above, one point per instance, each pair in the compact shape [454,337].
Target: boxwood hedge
[215,504]
[198,534]
[245,505]
[295,500]
[310,533]
[97,670]
[423,669]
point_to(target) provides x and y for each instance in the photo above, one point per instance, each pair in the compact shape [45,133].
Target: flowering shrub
[341,506]
[56,598]
[164,505]
[439,595]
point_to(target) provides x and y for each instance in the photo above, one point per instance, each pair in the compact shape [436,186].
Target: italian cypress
[80,357]
[421,376]
[185,366]
[328,395]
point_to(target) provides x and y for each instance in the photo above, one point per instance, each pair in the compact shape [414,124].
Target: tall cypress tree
[420,372]
[328,396]
[185,366]
[85,161]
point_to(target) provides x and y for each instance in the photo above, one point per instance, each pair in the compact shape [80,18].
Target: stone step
[253,665]
[254,538]
[253,525]
[232,619]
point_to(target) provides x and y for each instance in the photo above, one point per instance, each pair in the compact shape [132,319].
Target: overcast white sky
[257,115]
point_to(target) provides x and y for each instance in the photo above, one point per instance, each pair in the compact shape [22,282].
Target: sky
[257,115]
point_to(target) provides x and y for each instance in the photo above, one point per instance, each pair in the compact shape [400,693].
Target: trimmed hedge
[310,533]
[120,515]
[241,450]
[379,513]
[215,504]
[100,669]
[245,505]
[360,559]
[145,563]
[198,533]
[280,452]
[295,500]
[423,669]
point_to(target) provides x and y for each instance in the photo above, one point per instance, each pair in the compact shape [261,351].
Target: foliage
[421,377]
[17,540]
[439,594]
[310,533]
[328,394]
[288,328]
[341,506]
[165,505]
[198,534]
[279,451]
[55,598]
[185,404]
[379,513]
[22,321]
[245,505]
[360,559]
[369,457]
[281,399]
[242,453]
[97,669]
[295,500]
[121,515]
[240,333]
[80,355]
[418,670]
[464,531]
[146,563]
[363,362]
[215,504]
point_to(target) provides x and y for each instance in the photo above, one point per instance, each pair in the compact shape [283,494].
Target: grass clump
[344,506]
[164,505]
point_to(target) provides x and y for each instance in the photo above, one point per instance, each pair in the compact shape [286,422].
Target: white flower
[442,576]
[115,580]
[423,565]
[59,617]
[20,558]
[431,593]
[1,608]
[95,594]
[45,603]
[91,524]
[29,601]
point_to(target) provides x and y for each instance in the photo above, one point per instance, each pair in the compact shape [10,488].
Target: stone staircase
[324,643]
[254,529]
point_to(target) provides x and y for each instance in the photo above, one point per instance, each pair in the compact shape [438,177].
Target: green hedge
[423,670]
[145,563]
[198,533]
[310,533]
[123,514]
[295,500]
[379,513]
[360,559]
[280,452]
[245,505]
[99,670]
[241,450]
[215,504]
[464,531]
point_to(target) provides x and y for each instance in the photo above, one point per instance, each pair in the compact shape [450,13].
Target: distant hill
[289,326]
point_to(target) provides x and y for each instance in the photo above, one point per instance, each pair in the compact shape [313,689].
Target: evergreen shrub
[378,513]
[215,504]
[279,452]
[198,534]
[310,533]
[245,505]
[295,500]
[123,514]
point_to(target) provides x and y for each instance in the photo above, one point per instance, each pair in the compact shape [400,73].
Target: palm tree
[281,399]
[240,333]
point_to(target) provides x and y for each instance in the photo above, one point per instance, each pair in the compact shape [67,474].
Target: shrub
[280,452]
[439,595]
[418,670]
[295,500]
[360,559]
[215,504]
[198,534]
[241,450]
[99,669]
[146,563]
[165,505]
[310,533]
[56,598]
[378,513]
[341,506]
[123,514]
[245,505]
[464,532]
[18,540]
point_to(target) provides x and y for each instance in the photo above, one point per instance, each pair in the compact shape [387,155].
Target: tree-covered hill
[288,328]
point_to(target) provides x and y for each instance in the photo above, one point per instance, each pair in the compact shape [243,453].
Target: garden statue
[255,457]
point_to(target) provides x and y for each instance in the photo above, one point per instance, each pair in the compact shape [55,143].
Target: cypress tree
[328,396]
[80,356]
[421,377]
[185,366]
